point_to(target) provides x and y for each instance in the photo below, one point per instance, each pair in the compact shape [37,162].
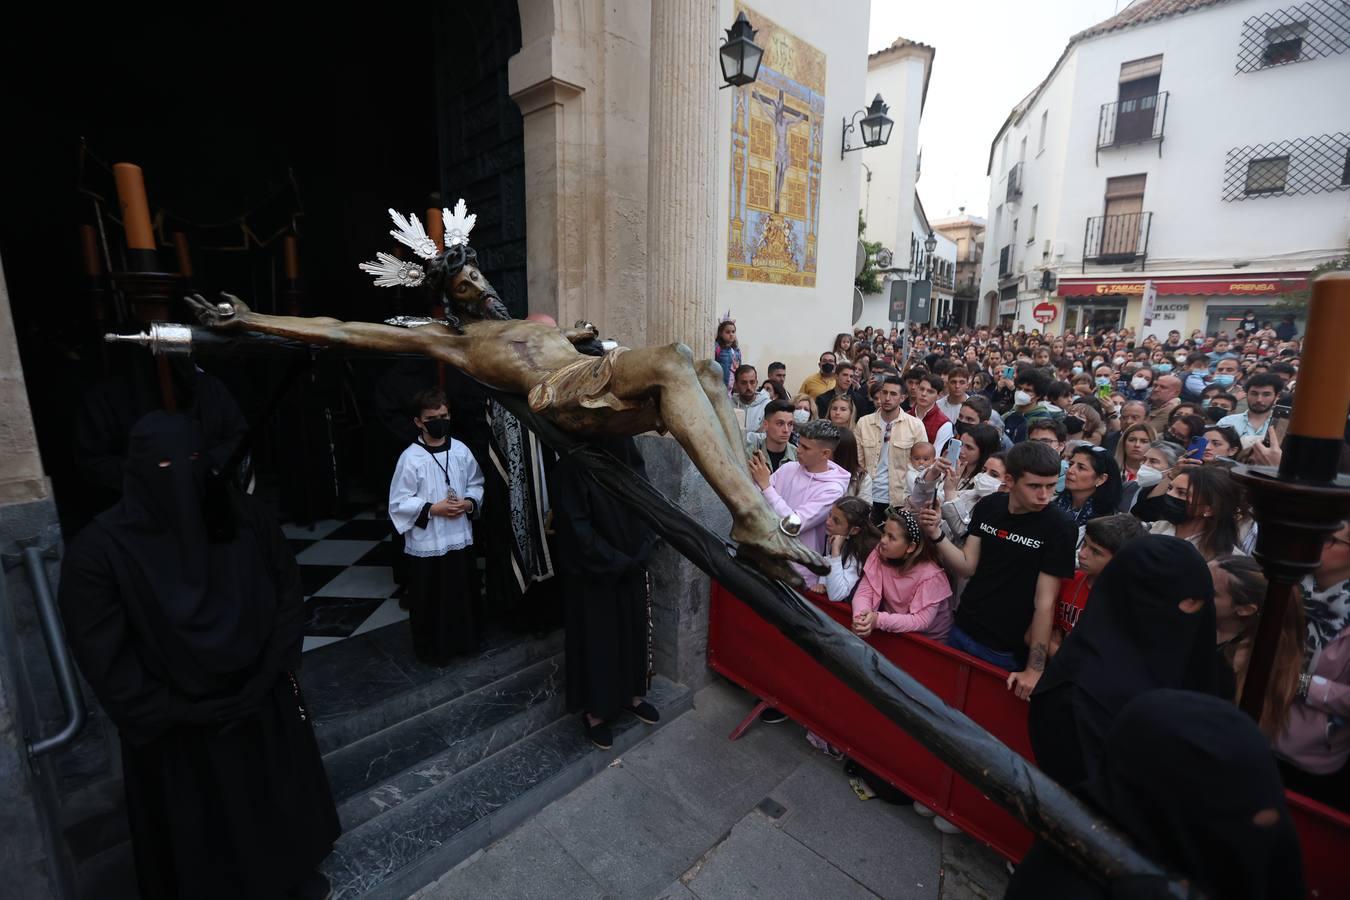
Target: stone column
[681,181]
[21,476]
[31,855]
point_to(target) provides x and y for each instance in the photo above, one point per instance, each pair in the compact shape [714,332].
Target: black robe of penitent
[190,641]
[601,554]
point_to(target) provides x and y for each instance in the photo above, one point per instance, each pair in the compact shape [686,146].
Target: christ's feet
[770,550]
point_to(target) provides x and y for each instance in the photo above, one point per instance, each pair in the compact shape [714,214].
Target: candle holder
[150,295]
[1295,518]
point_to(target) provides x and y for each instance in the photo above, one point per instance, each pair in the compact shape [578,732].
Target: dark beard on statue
[488,306]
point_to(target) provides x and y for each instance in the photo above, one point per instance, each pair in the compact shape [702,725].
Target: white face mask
[1139,383]
[1021,398]
[1119,361]
[986,484]
[1147,476]
[800,416]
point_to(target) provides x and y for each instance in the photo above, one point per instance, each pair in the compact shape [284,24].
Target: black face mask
[437,428]
[1172,509]
[827,368]
[960,428]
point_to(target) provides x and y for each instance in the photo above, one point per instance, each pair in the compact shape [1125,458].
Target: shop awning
[1244,286]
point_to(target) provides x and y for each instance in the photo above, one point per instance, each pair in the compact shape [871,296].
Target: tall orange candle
[135,207]
[436,226]
[1324,376]
[180,246]
[290,252]
[1317,427]
[89,251]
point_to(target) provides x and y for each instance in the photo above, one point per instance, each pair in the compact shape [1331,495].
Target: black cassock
[190,642]
[601,554]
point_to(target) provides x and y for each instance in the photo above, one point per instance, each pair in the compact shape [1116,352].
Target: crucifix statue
[784,118]
[622,392]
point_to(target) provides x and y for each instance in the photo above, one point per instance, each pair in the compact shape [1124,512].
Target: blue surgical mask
[1103,381]
[1078,370]
[1222,380]
[1162,368]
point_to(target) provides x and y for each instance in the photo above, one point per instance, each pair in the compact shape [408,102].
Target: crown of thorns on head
[390,271]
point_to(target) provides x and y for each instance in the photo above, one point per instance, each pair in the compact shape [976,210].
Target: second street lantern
[875,127]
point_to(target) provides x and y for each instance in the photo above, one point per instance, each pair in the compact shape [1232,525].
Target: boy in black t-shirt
[1018,548]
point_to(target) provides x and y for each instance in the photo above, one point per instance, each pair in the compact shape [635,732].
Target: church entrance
[271,150]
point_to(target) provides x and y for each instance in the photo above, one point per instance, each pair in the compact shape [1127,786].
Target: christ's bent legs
[689,415]
[710,376]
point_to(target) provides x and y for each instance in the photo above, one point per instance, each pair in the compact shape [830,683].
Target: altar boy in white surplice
[436,493]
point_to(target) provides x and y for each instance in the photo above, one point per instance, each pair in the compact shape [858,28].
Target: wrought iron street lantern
[740,55]
[875,126]
[930,246]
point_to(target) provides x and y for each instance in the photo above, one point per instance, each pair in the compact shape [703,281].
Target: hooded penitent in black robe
[183,607]
[1192,781]
[601,555]
[1132,637]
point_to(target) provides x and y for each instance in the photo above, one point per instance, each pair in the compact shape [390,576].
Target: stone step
[365,684]
[407,846]
[393,766]
[357,689]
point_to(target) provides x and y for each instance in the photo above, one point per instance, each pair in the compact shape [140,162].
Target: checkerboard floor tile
[346,572]
[330,552]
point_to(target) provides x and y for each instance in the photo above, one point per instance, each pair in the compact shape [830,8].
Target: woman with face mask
[988,479]
[1162,461]
[1204,506]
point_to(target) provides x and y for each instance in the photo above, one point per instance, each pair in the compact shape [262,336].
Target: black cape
[1193,782]
[186,617]
[602,549]
[1132,637]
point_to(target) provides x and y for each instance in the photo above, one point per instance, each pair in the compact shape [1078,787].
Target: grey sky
[990,54]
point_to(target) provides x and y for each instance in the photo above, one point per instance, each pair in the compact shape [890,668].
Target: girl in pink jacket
[902,586]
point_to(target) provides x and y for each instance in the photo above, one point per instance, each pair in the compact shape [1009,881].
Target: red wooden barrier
[755,655]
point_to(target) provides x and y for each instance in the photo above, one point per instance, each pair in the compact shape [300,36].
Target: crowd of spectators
[1062,507]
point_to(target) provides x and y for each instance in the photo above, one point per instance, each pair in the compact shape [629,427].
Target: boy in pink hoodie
[808,487]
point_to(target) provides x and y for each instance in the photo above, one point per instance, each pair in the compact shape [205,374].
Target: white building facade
[889,203]
[1203,146]
[794,323]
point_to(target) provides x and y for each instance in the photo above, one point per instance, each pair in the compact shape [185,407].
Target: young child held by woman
[902,587]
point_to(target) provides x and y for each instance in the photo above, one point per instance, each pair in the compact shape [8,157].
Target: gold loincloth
[584,384]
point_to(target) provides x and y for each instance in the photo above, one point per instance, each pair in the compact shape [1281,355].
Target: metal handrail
[1108,122]
[33,557]
[1015,181]
[1118,238]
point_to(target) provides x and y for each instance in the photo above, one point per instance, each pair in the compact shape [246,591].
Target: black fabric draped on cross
[212,601]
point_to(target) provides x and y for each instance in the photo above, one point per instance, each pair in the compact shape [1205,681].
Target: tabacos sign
[1193,287]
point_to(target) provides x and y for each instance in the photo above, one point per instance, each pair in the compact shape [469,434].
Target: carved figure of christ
[784,118]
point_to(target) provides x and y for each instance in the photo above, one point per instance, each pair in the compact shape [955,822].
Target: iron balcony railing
[1116,239]
[1135,121]
[1005,262]
[1015,182]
